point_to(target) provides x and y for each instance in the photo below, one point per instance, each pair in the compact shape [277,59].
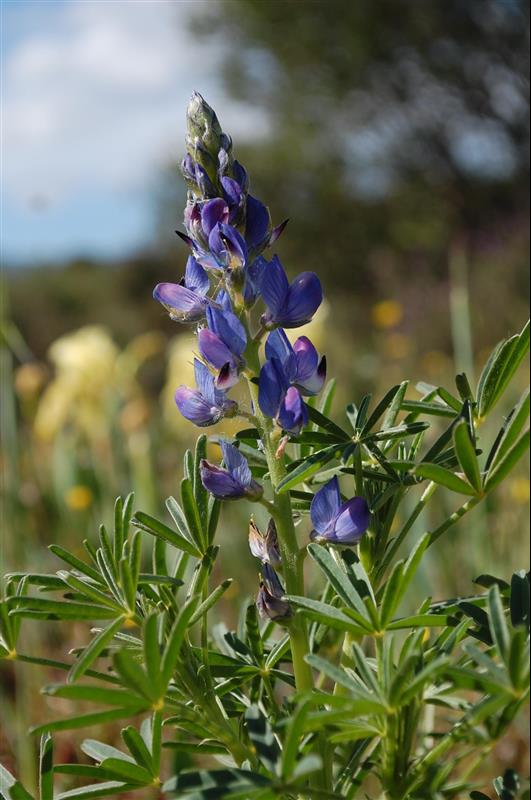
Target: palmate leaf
[263,739]
[215,783]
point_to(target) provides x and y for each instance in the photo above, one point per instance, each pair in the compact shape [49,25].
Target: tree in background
[414,128]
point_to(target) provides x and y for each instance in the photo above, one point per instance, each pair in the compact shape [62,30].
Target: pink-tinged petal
[325,506]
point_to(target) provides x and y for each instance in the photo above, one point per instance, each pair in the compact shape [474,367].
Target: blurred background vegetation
[395,138]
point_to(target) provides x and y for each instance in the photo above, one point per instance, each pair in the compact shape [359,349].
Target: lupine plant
[338,681]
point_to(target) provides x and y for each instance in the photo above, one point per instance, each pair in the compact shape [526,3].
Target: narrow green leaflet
[466,454]
[500,368]
[443,477]
[327,614]
[156,528]
[501,468]
[40,608]
[341,583]
[314,463]
[46,767]
[94,649]
[498,623]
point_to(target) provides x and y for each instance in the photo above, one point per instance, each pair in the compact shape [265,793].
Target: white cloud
[94,96]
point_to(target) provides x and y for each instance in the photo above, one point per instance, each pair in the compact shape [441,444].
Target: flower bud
[270,601]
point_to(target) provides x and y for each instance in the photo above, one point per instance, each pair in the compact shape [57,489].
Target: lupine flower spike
[234,480]
[336,522]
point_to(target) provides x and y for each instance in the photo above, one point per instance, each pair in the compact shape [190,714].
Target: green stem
[455,517]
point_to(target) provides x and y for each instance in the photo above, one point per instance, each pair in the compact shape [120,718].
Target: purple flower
[336,522]
[227,247]
[212,212]
[257,224]
[185,301]
[205,405]
[265,547]
[232,482]
[223,343]
[280,401]
[289,305]
[300,362]
[270,602]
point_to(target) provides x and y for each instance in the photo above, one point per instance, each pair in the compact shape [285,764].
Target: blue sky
[93,98]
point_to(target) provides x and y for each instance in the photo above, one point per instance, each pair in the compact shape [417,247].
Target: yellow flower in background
[436,363]
[84,364]
[30,379]
[79,498]
[520,490]
[387,314]
[397,345]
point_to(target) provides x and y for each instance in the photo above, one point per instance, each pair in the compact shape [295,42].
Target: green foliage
[401,688]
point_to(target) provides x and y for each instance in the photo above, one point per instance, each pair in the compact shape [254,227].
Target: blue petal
[240,174]
[227,246]
[293,414]
[257,223]
[219,482]
[212,212]
[274,286]
[194,407]
[278,346]
[307,358]
[195,277]
[182,303]
[352,521]
[271,388]
[236,464]
[232,191]
[229,329]
[325,505]
[304,298]
[205,382]
[223,300]
[213,349]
